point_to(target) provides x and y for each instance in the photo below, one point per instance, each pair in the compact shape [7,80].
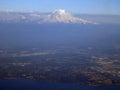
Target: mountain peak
[60,11]
[61,16]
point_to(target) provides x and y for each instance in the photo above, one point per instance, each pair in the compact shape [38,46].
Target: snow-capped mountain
[61,16]
[58,16]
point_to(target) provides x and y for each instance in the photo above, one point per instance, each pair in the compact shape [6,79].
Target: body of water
[26,84]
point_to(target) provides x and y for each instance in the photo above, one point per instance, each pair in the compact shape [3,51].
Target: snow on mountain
[61,16]
[58,16]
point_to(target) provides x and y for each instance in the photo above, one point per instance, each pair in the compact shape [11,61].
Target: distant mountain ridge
[57,16]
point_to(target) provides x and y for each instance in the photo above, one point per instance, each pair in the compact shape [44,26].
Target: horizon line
[36,11]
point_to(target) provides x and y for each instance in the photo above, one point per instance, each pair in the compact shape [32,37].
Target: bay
[26,84]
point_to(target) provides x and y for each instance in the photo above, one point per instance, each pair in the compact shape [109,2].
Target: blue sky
[73,6]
